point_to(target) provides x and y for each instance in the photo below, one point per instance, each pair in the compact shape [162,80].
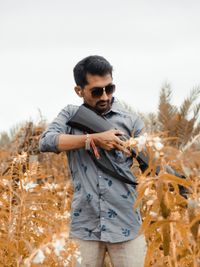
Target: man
[102,215]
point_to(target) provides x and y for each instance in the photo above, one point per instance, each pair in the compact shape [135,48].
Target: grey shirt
[102,206]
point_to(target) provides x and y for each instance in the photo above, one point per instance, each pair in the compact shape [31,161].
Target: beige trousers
[123,254]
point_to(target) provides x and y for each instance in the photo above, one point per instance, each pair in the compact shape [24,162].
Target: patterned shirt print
[102,206]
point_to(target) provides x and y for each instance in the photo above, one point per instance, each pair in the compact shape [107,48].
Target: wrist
[90,145]
[95,138]
[87,142]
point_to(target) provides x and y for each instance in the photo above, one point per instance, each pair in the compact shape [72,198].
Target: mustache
[102,102]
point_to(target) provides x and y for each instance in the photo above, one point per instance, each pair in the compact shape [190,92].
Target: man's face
[100,103]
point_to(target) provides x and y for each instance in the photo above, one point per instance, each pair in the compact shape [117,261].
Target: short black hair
[94,65]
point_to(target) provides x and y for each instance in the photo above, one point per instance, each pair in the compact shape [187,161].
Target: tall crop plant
[170,220]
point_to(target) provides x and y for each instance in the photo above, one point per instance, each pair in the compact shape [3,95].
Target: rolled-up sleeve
[48,141]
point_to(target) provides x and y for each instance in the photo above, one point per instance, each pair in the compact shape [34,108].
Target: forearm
[107,140]
[71,142]
[54,142]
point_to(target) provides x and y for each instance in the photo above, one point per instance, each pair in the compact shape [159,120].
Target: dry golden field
[36,192]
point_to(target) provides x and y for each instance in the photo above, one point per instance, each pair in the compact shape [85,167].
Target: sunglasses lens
[110,89]
[98,91]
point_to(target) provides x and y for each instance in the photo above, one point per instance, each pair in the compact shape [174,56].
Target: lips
[102,104]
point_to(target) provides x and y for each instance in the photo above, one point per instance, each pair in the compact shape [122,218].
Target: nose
[104,95]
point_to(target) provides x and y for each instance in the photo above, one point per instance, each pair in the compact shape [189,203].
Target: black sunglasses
[98,91]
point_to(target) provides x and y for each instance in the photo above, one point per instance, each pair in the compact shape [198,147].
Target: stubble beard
[103,106]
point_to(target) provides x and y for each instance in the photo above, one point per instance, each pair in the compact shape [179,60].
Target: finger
[123,149]
[119,141]
[127,152]
[109,147]
[118,132]
[123,138]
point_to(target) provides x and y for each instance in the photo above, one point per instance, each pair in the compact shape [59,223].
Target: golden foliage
[182,122]
[179,122]
[171,222]
[35,201]
[36,193]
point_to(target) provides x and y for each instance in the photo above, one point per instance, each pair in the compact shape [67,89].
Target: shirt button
[99,176]
[101,196]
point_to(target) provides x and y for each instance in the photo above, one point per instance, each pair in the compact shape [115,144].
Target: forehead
[99,80]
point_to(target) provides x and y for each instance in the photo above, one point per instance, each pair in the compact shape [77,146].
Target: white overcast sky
[146,41]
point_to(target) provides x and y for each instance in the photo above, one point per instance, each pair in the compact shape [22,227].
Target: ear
[79,91]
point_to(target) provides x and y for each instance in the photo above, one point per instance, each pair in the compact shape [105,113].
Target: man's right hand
[109,140]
